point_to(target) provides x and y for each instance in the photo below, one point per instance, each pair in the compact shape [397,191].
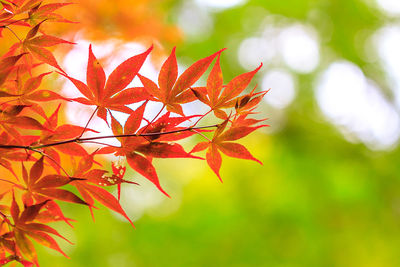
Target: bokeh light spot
[282,86]
[357,106]
[300,49]
[387,41]
[254,50]
[392,7]
[220,4]
[195,21]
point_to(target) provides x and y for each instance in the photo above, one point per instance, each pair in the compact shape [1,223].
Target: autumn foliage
[32,142]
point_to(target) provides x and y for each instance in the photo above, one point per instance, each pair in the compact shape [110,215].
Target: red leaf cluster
[33,143]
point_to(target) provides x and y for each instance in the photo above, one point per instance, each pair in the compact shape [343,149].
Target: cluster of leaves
[32,143]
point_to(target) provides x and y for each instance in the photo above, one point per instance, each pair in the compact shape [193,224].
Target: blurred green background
[328,193]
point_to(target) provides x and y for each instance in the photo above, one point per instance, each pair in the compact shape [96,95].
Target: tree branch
[83,140]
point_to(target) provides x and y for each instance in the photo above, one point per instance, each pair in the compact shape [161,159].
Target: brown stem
[3,215]
[82,140]
[99,143]
[87,124]
[4,180]
[52,159]
[149,123]
[202,116]
[15,21]
[199,133]
[158,114]
[13,33]
[5,102]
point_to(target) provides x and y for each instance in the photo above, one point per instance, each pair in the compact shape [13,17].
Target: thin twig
[15,21]
[5,26]
[158,114]
[149,123]
[82,140]
[52,159]
[199,133]
[99,143]
[12,100]
[202,116]
[2,214]
[87,124]
[4,180]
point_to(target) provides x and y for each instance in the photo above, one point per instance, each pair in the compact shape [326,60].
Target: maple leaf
[89,180]
[166,123]
[35,46]
[19,6]
[7,155]
[23,137]
[46,187]
[46,12]
[35,11]
[217,96]
[243,120]
[7,66]
[57,134]
[7,244]
[139,150]
[24,227]
[7,17]
[118,170]
[111,94]
[173,91]
[52,213]
[26,93]
[246,104]
[221,142]
[90,192]
[100,177]
[9,119]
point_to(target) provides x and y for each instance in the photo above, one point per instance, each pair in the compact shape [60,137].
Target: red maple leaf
[24,227]
[46,187]
[173,91]
[147,143]
[218,97]
[111,94]
[222,142]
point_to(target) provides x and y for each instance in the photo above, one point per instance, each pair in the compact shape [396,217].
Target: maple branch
[5,220]
[100,143]
[3,215]
[15,21]
[87,124]
[83,140]
[11,182]
[199,133]
[5,26]
[149,123]
[5,102]
[53,160]
[208,112]
[158,114]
